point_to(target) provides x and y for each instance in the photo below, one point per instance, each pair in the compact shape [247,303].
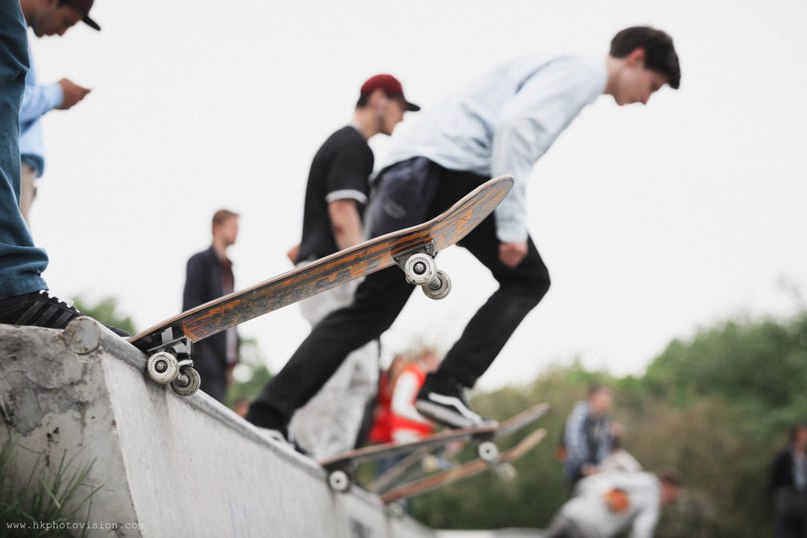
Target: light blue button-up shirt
[503,122]
[38,100]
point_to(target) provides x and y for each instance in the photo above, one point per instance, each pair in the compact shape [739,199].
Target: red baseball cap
[390,85]
[84,7]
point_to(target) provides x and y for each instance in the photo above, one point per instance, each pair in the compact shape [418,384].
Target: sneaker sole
[441,414]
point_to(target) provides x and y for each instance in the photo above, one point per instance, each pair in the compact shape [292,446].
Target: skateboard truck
[170,362]
[421,270]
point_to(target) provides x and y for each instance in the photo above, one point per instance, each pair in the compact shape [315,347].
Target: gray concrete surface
[164,465]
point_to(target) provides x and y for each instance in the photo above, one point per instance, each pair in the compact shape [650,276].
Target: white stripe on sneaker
[457,404]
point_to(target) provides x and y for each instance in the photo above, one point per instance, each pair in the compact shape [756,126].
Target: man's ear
[377,97]
[636,57]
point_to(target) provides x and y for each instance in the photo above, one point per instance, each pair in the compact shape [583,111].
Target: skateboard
[412,249]
[484,436]
[502,467]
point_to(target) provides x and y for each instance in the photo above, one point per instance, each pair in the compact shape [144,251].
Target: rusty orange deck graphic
[336,269]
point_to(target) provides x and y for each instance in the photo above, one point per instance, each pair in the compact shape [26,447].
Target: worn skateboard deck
[466,470]
[331,271]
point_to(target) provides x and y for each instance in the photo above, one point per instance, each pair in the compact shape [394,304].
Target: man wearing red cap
[501,123]
[337,192]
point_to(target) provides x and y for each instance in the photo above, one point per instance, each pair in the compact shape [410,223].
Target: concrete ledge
[174,466]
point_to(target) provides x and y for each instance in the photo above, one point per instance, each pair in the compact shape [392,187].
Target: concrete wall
[168,465]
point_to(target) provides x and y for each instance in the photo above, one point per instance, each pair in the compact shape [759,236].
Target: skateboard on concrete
[502,466]
[413,249]
[338,466]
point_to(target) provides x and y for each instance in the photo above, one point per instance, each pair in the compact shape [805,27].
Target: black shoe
[444,401]
[41,309]
[273,426]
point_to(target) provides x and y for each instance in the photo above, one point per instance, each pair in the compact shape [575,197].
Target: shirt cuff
[347,194]
[54,94]
[510,231]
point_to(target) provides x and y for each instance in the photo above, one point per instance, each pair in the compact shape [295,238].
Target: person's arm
[528,126]
[403,398]
[293,253]
[347,190]
[194,293]
[345,223]
[645,523]
[38,100]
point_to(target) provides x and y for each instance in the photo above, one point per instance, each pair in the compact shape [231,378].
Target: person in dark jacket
[210,276]
[789,486]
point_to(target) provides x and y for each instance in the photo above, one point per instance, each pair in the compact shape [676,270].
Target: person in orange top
[381,431]
[407,423]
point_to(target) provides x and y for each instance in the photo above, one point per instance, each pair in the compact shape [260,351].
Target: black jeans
[212,370]
[410,192]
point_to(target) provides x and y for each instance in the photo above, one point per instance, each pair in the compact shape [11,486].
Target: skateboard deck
[483,435]
[412,249]
[466,470]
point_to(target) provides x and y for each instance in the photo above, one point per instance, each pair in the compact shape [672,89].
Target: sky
[654,221]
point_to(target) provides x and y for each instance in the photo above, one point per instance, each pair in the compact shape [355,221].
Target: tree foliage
[106,311]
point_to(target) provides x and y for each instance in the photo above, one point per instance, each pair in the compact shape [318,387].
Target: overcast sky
[654,220]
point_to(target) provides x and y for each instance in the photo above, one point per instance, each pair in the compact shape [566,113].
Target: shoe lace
[67,302]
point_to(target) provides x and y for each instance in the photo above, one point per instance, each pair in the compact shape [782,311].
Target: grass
[44,497]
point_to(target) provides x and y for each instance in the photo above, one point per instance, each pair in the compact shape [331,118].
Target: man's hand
[512,254]
[73,93]
[293,253]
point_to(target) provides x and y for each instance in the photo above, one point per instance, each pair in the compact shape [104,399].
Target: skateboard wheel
[339,481]
[506,472]
[430,463]
[420,269]
[487,451]
[439,286]
[187,382]
[396,510]
[162,367]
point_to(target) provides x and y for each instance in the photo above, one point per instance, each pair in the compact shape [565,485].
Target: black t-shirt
[341,170]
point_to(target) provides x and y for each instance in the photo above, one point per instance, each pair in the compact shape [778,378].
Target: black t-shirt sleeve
[348,175]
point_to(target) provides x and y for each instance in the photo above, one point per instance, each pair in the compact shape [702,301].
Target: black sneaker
[41,309]
[274,426]
[444,401]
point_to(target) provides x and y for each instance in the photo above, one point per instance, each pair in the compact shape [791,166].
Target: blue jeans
[20,262]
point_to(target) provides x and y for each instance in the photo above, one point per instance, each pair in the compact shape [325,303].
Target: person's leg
[27,191]
[23,296]
[402,200]
[520,290]
[20,262]
[211,370]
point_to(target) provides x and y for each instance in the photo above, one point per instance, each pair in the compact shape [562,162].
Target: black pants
[410,192]
[212,370]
